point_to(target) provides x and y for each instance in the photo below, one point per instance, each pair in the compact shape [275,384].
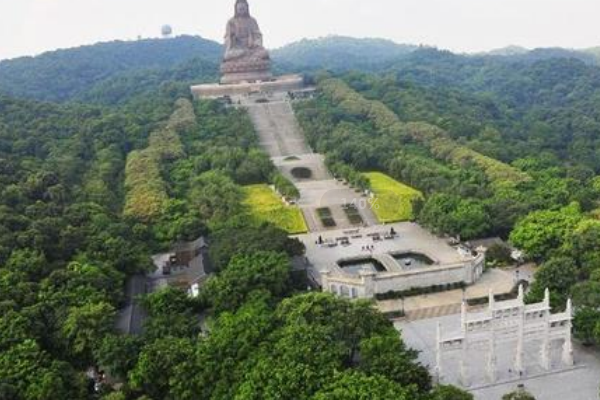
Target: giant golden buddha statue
[245,57]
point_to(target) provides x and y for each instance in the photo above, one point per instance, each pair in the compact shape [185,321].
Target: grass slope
[393,199]
[266,206]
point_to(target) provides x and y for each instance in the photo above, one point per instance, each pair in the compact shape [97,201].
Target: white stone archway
[510,322]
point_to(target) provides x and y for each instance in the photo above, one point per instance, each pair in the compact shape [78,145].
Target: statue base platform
[287,83]
[245,71]
[242,77]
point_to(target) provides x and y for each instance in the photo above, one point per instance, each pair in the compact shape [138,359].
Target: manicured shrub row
[326,217]
[349,174]
[285,187]
[146,189]
[353,214]
[436,139]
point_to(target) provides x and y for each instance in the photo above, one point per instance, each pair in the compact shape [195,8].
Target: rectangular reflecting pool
[362,264]
[413,260]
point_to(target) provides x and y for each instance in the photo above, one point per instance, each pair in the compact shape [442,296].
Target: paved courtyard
[276,125]
[445,303]
[410,237]
[325,249]
[333,195]
[578,383]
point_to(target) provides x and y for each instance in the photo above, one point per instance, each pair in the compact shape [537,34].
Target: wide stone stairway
[282,138]
[279,132]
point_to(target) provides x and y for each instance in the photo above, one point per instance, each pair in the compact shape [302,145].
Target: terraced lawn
[265,205]
[393,200]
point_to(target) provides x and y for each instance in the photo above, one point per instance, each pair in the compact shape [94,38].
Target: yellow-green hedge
[434,138]
[393,200]
[264,205]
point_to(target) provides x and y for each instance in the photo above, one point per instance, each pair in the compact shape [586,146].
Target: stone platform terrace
[410,237]
[363,249]
[276,125]
[432,305]
[283,84]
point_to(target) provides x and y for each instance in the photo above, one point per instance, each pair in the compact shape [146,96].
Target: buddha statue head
[242,9]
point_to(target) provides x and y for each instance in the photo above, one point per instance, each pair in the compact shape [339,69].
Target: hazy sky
[32,26]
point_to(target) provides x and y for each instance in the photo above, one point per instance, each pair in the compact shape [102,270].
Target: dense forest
[69,74]
[340,53]
[89,192]
[114,71]
[122,164]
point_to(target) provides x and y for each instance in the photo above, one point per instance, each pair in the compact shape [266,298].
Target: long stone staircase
[279,132]
[282,138]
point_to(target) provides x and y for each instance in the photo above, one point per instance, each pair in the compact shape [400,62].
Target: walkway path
[447,303]
[282,138]
[276,124]
[433,312]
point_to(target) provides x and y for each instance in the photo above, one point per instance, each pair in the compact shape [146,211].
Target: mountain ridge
[65,74]
[114,70]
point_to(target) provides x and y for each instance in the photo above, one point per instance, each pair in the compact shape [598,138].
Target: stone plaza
[363,262]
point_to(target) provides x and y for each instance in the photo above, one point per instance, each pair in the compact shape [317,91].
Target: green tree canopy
[356,386]
[452,215]
[268,271]
[518,395]
[84,328]
[443,392]
[542,233]
[387,355]
[157,365]
[558,275]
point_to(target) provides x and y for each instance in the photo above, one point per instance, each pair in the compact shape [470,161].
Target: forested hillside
[552,82]
[76,183]
[66,74]
[65,249]
[548,106]
[114,72]
[124,164]
[594,51]
[340,53]
[172,81]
